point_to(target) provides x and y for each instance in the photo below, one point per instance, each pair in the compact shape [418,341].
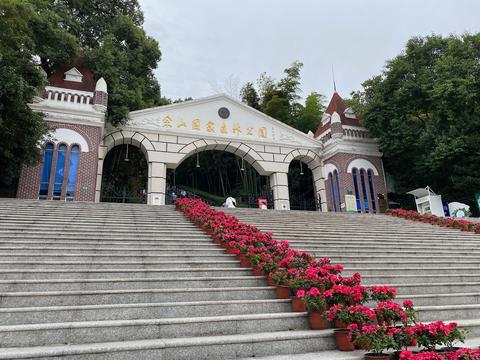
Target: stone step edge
[339,355]
[114,280]
[98,348]
[133,291]
[142,305]
[185,270]
[139,322]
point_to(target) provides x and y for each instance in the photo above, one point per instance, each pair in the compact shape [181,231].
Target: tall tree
[20,81]
[249,95]
[280,99]
[425,110]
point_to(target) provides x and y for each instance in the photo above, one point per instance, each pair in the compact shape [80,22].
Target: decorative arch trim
[134,138]
[306,156]
[70,137]
[240,149]
[329,168]
[362,164]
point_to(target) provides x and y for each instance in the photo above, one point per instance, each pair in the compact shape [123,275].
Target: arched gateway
[167,135]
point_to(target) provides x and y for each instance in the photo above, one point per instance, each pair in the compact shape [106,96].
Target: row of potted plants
[318,287]
[461,224]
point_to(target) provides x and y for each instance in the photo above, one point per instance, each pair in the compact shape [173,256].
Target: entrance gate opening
[125,175]
[301,188]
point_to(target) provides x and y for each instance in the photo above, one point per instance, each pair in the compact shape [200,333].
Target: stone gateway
[343,158]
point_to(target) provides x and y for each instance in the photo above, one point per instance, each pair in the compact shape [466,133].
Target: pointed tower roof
[339,106]
[82,76]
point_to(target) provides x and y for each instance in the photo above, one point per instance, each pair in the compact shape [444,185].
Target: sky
[212,46]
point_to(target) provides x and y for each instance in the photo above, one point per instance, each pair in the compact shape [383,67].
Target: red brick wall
[341,161]
[29,182]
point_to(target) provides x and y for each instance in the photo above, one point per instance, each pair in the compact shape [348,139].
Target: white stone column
[157,174]
[319,185]
[279,185]
[102,152]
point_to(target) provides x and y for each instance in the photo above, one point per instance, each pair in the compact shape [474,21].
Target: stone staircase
[438,268]
[119,281]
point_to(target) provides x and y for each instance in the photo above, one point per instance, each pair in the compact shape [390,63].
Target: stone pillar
[102,152]
[157,174]
[279,185]
[319,186]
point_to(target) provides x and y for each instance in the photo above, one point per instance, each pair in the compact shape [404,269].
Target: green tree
[249,95]
[20,81]
[110,36]
[425,110]
[280,99]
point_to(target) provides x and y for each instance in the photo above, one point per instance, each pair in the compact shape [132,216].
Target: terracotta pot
[230,250]
[342,337]
[245,263]
[283,292]
[339,324]
[270,282]
[257,271]
[298,305]
[372,356]
[317,320]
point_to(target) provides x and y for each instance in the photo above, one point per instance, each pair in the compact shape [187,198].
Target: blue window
[59,171]
[339,195]
[372,189]
[332,187]
[364,189]
[72,172]
[46,170]
[357,193]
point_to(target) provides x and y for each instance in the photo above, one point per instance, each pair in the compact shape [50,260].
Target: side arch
[121,137]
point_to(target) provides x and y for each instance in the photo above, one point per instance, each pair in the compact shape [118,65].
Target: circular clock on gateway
[223,112]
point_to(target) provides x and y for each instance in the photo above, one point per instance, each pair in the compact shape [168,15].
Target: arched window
[72,172]
[59,171]
[332,188]
[46,170]
[357,193]
[364,190]
[372,190]
[337,189]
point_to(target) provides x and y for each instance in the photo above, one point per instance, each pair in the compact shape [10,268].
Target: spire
[333,77]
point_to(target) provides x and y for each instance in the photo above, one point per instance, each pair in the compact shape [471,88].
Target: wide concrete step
[124,256]
[440,299]
[414,270]
[385,252]
[199,348]
[421,278]
[463,313]
[140,250]
[72,313]
[84,297]
[92,273]
[79,332]
[435,287]
[128,283]
[119,264]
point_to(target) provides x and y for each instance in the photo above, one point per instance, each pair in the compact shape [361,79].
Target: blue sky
[210,46]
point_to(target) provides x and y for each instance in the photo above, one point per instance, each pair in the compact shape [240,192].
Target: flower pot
[342,337]
[271,282]
[257,271]
[245,263]
[317,321]
[372,356]
[339,324]
[283,292]
[298,305]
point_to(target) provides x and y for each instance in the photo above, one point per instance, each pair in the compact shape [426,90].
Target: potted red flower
[316,306]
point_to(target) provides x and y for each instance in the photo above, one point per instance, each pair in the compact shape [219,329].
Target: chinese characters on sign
[211,127]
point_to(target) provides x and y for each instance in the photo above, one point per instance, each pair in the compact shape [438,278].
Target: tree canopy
[280,99]
[47,34]
[425,110]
